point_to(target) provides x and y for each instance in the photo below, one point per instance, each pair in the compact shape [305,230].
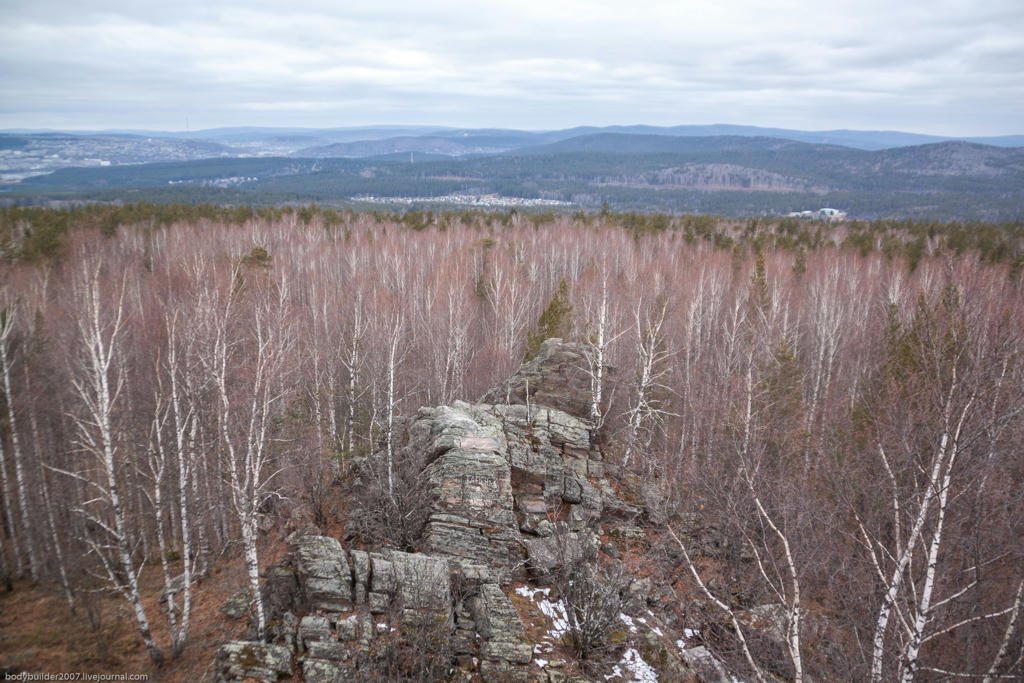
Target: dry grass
[38,633]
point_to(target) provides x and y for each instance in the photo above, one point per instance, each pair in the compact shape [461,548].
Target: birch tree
[246,371]
[98,381]
[602,336]
[171,412]
[7,320]
[646,414]
[930,437]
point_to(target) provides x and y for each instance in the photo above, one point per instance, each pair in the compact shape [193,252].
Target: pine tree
[555,321]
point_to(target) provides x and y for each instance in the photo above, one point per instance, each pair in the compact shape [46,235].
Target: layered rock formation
[519,492]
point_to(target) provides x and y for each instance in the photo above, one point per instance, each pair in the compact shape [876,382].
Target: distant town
[820,214]
[465,200]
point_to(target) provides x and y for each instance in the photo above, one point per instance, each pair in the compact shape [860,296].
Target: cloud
[946,67]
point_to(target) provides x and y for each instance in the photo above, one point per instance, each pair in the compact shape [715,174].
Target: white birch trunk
[19,470]
[389,433]
[184,465]
[905,554]
[94,387]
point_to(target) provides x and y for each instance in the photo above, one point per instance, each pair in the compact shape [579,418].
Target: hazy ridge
[629,168]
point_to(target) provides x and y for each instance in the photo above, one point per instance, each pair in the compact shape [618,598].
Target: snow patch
[555,611]
[525,592]
[635,665]
[628,621]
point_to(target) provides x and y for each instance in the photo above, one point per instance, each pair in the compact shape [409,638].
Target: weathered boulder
[766,627]
[706,666]
[324,574]
[237,605]
[645,494]
[545,556]
[324,671]
[559,376]
[635,599]
[658,652]
[284,630]
[238,660]
[615,507]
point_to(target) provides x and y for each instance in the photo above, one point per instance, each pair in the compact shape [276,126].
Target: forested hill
[732,175]
[728,175]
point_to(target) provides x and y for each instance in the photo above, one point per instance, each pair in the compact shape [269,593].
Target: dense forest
[844,400]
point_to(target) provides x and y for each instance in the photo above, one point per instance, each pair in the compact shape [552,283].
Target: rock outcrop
[518,493]
[473,517]
[558,376]
[240,660]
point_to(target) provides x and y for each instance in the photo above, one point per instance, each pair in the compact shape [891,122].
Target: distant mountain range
[732,170]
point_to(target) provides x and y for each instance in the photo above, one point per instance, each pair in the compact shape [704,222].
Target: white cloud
[946,67]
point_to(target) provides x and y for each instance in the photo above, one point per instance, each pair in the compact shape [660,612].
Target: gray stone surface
[558,377]
[382,575]
[577,518]
[635,599]
[361,570]
[613,506]
[422,582]
[332,650]
[239,660]
[237,606]
[503,672]
[505,649]
[324,574]
[707,667]
[473,516]
[769,622]
[347,628]
[286,630]
[647,495]
[546,555]
[312,628]
[628,532]
[323,671]
[280,591]
[378,602]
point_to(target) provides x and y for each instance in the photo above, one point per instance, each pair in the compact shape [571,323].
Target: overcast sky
[938,66]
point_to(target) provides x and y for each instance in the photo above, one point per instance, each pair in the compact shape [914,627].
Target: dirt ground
[39,633]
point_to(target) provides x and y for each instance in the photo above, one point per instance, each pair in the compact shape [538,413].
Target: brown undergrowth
[39,634]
